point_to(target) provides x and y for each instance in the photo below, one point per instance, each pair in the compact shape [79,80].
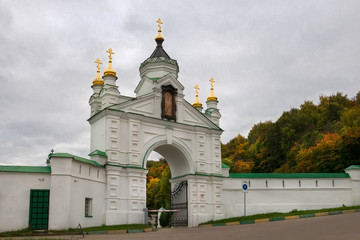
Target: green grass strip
[115,227]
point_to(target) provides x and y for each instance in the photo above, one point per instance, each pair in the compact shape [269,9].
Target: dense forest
[313,138]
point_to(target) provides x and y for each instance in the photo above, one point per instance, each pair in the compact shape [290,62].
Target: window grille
[88,207]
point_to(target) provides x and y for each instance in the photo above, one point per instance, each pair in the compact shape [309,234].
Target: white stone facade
[128,129]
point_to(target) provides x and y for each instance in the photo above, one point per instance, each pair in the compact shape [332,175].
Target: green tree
[351,118]
[228,162]
[350,149]
[259,131]
[158,187]
[331,108]
[164,194]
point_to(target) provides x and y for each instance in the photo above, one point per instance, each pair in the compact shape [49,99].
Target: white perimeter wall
[15,197]
[89,184]
[71,183]
[284,195]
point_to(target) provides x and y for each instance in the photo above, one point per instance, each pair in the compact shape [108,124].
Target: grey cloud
[265,56]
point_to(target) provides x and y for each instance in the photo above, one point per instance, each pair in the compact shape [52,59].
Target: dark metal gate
[179,201]
[39,209]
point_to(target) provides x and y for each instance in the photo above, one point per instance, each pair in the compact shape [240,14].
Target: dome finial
[159,36]
[98,80]
[212,95]
[197,103]
[110,71]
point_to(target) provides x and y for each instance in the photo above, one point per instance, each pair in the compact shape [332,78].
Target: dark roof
[159,51]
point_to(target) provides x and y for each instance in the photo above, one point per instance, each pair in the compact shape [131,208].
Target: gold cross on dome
[110,52]
[197,89]
[159,22]
[212,82]
[98,64]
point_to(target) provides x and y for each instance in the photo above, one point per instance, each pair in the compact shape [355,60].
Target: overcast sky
[265,56]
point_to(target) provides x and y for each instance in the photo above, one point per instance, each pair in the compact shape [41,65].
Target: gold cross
[110,52]
[212,82]
[159,22]
[197,89]
[98,64]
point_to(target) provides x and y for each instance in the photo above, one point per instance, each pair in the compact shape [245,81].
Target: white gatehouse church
[109,187]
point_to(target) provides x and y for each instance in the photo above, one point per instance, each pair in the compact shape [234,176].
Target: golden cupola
[159,37]
[197,103]
[212,96]
[110,70]
[98,80]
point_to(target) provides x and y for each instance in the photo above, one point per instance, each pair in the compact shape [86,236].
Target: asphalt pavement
[337,227]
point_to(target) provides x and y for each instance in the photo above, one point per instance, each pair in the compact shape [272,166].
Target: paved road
[339,227]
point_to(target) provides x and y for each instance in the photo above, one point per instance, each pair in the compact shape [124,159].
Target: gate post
[146,217]
[205,199]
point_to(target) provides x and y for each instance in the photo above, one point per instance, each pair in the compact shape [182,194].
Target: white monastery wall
[15,197]
[72,182]
[355,183]
[284,195]
[90,183]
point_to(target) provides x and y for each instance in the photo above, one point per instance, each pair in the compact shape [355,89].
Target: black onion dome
[159,50]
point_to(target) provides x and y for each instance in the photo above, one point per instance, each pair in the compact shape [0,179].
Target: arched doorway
[176,155]
[178,161]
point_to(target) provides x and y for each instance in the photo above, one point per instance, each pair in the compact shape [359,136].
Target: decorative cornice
[158,60]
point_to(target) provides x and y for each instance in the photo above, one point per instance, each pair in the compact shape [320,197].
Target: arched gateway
[158,119]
